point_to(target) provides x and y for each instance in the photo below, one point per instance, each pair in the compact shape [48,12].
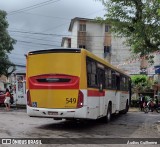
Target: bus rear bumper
[57,113]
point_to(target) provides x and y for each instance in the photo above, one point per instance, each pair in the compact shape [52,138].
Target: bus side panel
[83,71]
[120,101]
[93,107]
[97,103]
[123,99]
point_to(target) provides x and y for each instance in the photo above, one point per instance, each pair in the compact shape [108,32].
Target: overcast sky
[40,24]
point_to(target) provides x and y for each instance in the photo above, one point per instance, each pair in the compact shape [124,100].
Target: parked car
[2,97]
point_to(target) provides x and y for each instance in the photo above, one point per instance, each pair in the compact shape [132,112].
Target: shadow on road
[97,127]
[120,126]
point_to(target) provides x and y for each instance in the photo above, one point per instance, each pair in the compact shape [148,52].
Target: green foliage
[6,45]
[140,83]
[6,66]
[138,21]
[136,79]
[159,8]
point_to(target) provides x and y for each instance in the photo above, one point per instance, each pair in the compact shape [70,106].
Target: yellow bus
[74,84]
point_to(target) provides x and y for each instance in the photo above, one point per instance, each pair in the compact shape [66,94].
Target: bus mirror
[100,87]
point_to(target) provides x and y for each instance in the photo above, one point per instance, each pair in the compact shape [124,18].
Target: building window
[82,27]
[82,46]
[107,50]
[107,28]
[69,45]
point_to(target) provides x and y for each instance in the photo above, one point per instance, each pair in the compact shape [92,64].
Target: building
[96,37]
[66,42]
[18,82]
[3,82]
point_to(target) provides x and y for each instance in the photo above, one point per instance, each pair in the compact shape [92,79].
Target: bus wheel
[126,108]
[108,116]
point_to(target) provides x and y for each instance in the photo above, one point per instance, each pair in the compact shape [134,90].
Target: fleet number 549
[70,100]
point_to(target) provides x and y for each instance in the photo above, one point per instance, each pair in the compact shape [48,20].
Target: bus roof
[60,50]
[104,62]
[77,50]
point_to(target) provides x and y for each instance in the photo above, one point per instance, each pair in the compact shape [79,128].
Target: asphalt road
[134,124]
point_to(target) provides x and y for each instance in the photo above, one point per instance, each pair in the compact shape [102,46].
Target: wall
[119,55]
[95,38]
[74,34]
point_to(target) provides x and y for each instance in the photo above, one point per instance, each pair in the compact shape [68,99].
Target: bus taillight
[28,98]
[80,100]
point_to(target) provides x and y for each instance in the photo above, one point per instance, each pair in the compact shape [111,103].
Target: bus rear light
[80,99]
[28,98]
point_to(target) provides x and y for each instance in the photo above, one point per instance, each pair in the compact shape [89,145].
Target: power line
[33,6]
[36,33]
[59,35]
[40,39]
[73,38]
[51,17]
[37,43]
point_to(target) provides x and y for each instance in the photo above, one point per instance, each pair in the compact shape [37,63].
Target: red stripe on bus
[40,82]
[95,93]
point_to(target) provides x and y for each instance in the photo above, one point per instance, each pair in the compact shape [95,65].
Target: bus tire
[146,109]
[108,115]
[158,110]
[126,108]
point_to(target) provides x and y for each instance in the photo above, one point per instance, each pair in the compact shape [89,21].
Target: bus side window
[91,73]
[118,82]
[123,83]
[101,79]
[127,84]
[113,80]
[108,80]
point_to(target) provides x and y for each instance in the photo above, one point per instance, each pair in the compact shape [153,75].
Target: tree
[159,8]
[138,21]
[6,66]
[141,83]
[6,45]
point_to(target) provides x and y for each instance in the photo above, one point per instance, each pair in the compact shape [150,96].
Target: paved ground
[135,124]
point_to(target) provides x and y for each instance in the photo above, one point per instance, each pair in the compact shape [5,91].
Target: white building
[66,42]
[96,37]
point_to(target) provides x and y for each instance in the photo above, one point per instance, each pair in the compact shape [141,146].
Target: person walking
[141,102]
[7,99]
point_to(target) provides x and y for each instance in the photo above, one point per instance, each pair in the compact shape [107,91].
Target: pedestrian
[156,99]
[141,102]
[7,99]
[10,89]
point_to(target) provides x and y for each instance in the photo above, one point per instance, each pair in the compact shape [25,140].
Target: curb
[18,106]
[133,109]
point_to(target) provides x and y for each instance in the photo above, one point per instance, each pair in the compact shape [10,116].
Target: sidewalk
[158,126]
[13,108]
[133,109]
[18,106]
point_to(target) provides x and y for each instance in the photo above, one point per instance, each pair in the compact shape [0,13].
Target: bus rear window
[53,80]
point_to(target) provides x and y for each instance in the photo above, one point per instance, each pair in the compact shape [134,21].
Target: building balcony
[82,38]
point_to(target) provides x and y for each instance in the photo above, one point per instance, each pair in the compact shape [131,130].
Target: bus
[74,84]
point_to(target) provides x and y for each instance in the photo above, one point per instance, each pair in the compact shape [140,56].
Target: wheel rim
[158,110]
[108,115]
[146,110]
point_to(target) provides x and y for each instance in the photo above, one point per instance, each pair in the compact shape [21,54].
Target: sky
[41,24]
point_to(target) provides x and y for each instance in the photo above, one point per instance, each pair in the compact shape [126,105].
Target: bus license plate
[52,113]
